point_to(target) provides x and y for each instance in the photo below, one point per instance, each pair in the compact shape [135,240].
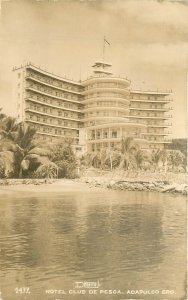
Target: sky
[148,44]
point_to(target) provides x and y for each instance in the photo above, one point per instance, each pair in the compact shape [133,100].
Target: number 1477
[22,290]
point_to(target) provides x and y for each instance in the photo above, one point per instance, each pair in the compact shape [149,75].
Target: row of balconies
[159,125]
[156,108]
[58,131]
[151,116]
[107,89]
[50,137]
[104,114]
[52,121]
[53,112]
[108,96]
[106,104]
[51,92]
[48,123]
[57,84]
[161,132]
[106,85]
[54,102]
[145,100]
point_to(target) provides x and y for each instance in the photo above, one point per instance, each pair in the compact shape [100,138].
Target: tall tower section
[106,110]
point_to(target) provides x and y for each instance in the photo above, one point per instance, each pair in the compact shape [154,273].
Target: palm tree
[30,154]
[8,128]
[140,157]
[20,150]
[127,151]
[156,158]
[176,159]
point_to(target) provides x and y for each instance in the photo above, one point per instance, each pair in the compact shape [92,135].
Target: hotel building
[95,113]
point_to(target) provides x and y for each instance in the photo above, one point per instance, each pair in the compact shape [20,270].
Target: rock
[169,188]
[180,188]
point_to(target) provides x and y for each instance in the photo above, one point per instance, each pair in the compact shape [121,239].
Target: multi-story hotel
[95,113]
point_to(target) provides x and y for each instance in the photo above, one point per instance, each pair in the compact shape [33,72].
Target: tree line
[24,155]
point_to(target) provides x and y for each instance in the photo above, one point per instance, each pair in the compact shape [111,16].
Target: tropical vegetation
[129,156]
[24,155]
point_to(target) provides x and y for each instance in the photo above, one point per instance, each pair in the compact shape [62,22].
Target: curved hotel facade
[95,113]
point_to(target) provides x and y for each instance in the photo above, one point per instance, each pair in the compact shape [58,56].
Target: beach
[155,182]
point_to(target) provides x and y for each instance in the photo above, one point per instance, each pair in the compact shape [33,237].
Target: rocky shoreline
[139,185]
[129,184]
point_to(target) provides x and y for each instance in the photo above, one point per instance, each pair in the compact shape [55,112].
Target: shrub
[49,170]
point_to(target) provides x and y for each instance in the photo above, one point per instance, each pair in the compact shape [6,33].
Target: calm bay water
[125,240]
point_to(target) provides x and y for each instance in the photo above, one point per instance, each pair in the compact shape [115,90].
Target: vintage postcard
[93,149]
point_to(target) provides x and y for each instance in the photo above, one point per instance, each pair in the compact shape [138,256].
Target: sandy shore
[56,186]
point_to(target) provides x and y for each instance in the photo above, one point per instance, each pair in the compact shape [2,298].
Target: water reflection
[125,240]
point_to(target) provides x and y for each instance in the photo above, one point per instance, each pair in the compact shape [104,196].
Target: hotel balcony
[107,118]
[51,125]
[158,134]
[151,109]
[117,124]
[115,139]
[106,108]
[151,92]
[151,101]
[31,99]
[104,98]
[107,89]
[75,140]
[165,141]
[150,117]
[51,115]
[50,95]
[160,125]
[105,105]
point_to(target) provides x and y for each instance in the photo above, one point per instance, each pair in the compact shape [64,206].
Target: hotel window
[65,114]
[98,135]
[60,113]
[59,122]
[105,134]
[55,131]
[114,134]
[38,118]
